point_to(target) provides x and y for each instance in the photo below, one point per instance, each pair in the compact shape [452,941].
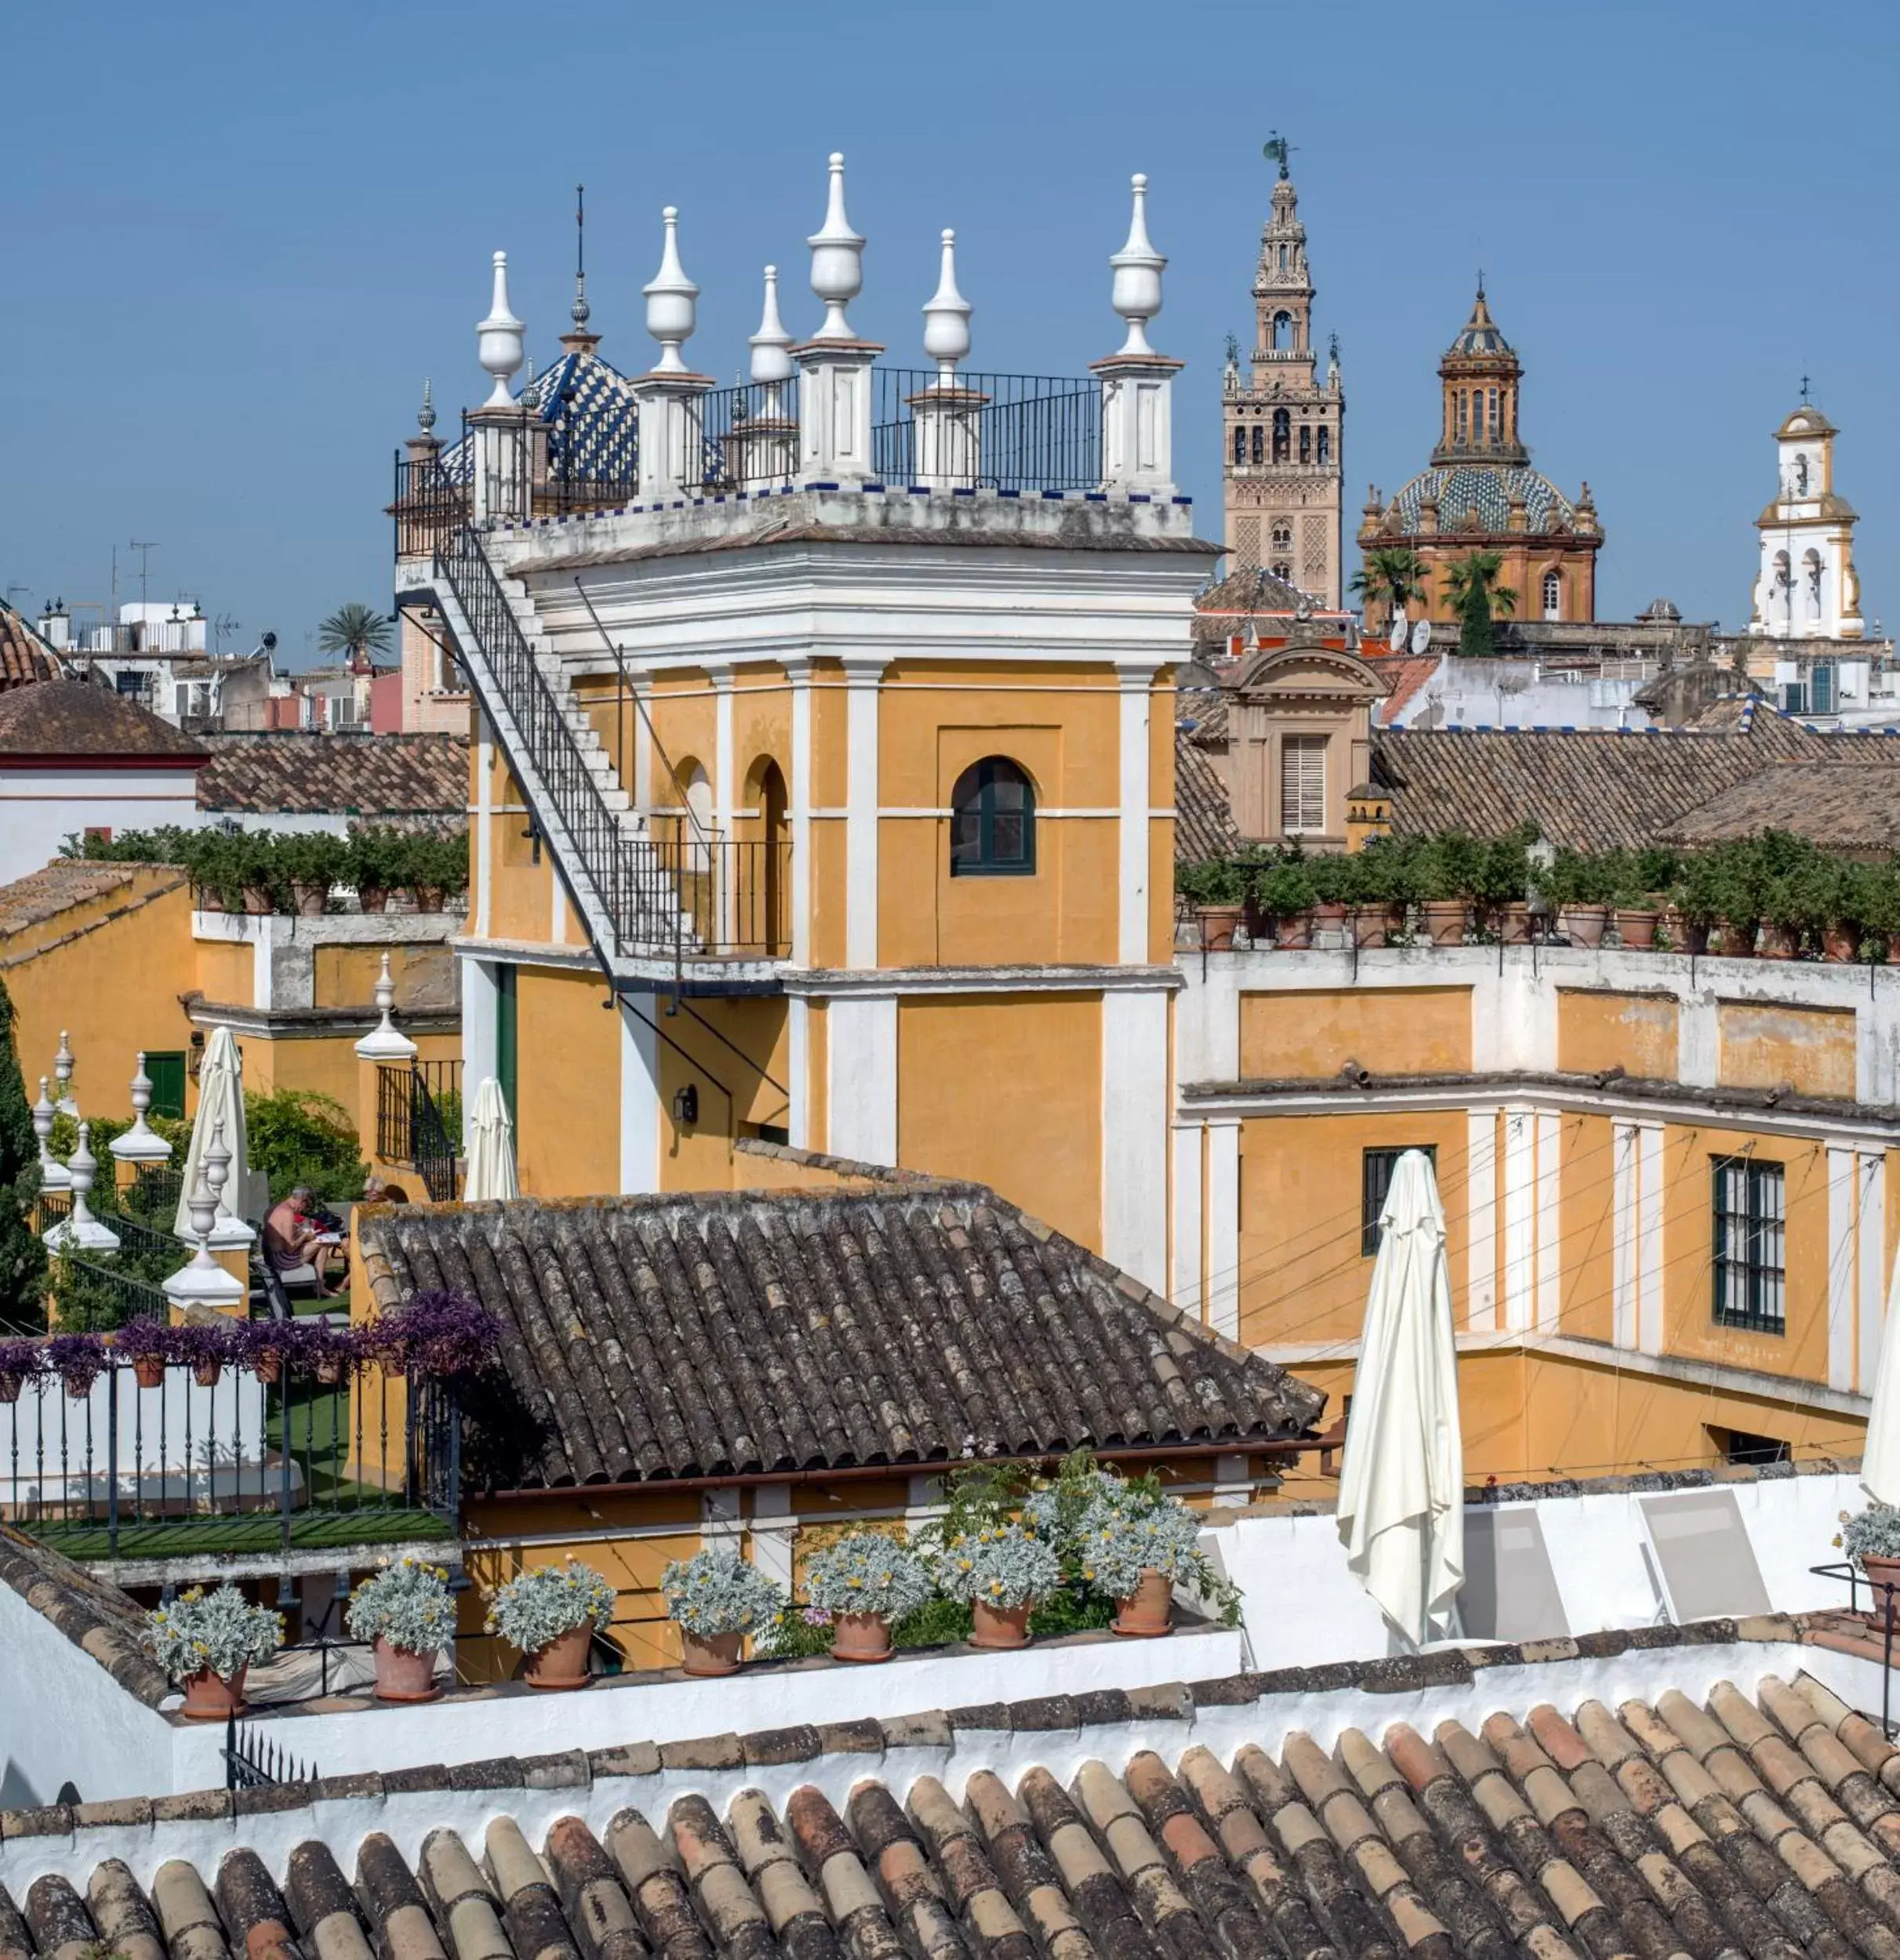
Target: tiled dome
[1480,335]
[592,424]
[1491,488]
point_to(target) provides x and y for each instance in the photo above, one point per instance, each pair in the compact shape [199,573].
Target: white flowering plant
[867,1572]
[1872,1533]
[406,1604]
[1005,1566]
[717,1591]
[216,1632]
[540,1605]
[1116,1543]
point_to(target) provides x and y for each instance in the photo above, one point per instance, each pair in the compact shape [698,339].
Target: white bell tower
[1806,588]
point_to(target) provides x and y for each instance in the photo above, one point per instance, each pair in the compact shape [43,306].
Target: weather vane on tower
[1277,149]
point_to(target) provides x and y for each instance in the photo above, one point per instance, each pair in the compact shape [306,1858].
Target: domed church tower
[1806,588]
[1282,469]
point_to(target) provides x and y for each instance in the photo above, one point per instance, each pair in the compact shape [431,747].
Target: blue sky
[238,237]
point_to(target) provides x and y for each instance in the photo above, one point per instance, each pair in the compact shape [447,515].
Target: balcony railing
[240,1466]
[419,1123]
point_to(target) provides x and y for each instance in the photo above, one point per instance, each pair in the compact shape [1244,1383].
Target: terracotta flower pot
[430,897]
[1329,918]
[404,1675]
[206,1373]
[1445,921]
[1737,939]
[860,1636]
[1375,925]
[1780,942]
[210,900]
[1144,1614]
[1218,925]
[1695,937]
[209,1698]
[1893,949]
[563,1663]
[709,1653]
[148,1371]
[1513,924]
[1637,927]
[371,898]
[998,1626]
[1293,931]
[329,1370]
[1841,944]
[394,1364]
[1882,1572]
[258,901]
[310,899]
[9,1387]
[1587,925]
[269,1365]
[79,1386]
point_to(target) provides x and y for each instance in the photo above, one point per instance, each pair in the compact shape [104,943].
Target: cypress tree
[23,1259]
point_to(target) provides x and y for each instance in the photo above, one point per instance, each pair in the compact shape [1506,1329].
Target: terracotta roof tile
[293,773]
[670,1337]
[66,882]
[66,718]
[24,656]
[1203,817]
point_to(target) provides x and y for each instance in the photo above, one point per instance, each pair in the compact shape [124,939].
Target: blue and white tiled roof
[592,424]
[1490,488]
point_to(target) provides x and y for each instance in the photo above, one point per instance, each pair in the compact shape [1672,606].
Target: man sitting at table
[294,1244]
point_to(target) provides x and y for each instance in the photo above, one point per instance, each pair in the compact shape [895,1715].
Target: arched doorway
[768,909]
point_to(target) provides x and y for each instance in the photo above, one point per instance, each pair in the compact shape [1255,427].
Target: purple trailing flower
[314,1346]
[208,1346]
[20,1359]
[144,1341]
[434,1334]
[79,1359]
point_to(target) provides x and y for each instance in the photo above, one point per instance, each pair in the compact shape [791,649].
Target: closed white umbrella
[491,1147]
[221,1101]
[1880,1463]
[1401,1486]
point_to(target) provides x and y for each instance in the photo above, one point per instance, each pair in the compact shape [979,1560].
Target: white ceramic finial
[838,259]
[203,1282]
[141,1144]
[1137,291]
[79,1228]
[671,300]
[946,317]
[425,416]
[62,1075]
[386,1042]
[771,364]
[499,344]
[51,1172]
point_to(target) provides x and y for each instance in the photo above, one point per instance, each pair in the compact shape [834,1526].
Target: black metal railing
[418,1122]
[108,1296]
[228,1461]
[1882,1616]
[749,437]
[1024,432]
[717,898]
[252,1761]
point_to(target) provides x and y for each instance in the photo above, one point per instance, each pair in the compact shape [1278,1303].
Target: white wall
[40,808]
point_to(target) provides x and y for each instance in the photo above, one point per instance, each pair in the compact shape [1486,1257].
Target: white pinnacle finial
[52,1175]
[498,342]
[1137,291]
[838,259]
[771,364]
[946,318]
[141,1144]
[62,1075]
[386,1042]
[671,300]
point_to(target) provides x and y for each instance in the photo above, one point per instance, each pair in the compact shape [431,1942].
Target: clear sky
[239,235]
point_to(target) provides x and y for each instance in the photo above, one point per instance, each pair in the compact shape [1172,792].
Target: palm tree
[1471,585]
[1394,575]
[354,630]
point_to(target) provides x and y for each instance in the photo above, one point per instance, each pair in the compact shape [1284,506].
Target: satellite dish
[1395,633]
[1421,637]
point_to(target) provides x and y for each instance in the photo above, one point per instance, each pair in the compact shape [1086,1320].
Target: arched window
[1461,415]
[1283,536]
[1553,595]
[1283,434]
[993,821]
[1326,445]
[1239,445]
[1283,333]
[1282,258]
[1259,444]
[1306,444]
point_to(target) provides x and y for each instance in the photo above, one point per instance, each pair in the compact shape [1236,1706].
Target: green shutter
[505,1048]
[167,1072]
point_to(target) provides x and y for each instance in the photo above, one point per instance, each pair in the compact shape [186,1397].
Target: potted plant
[313,861]
[1376,884]
[1800,898]
[77,1359]
[204,1348]
[1134,1544]
[1448,874]
[262,885]
[1871,1538]
[1285,892]
[1214,888]
[1879,901]
[1852,897]
[1503,881]
[715,1598]
[552,1613]
[1581,884]
[1329,887]
[147,1345]
[328,1351]
[211,858]
[1001,1570]
[404,1611]
[21,1360]
[207,1642]
[866,1583]
[366,865]
[438,1333]
[1697,895]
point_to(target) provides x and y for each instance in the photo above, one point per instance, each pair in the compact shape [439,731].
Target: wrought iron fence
[252,1761]
[1024,432]
[99,1295]
[750,436]
[228,1461]
[418,1122]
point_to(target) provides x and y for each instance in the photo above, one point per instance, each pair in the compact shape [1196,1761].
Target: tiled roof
[1480,333]
[24,656]
[1204,818]
[650,1338]
[1851,805]
[592,420]
[1488,487]
[66,882]
[295,773]
[67,718]
[108,1624]
[1233,1819]
[1401,675]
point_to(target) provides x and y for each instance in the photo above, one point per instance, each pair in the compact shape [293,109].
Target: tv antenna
[224,623]
[144,547]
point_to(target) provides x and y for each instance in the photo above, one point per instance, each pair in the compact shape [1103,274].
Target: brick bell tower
[1283,430]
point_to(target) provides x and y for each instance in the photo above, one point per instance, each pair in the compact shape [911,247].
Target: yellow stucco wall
[567,1112]
[735,1090]
[1028,1130]
[345,976]
[1762,1045]
[1393,1030]
[1586,1226]
[227,973]
[1634,1031]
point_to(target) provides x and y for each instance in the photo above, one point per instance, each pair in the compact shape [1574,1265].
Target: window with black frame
[993,821]
[1376,1168]
[1749,1259]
